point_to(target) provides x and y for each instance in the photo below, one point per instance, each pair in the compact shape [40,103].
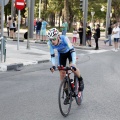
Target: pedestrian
[96,35]
[38,28]
[15,27]
[109,35]
[64,27]
[80,32]
[43,30]
[115,33]
[74,36]
[34,25]
[88,35]
[10,22]
[119,34]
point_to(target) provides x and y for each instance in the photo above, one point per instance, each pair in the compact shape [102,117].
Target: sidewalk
[23,57]
[15,59]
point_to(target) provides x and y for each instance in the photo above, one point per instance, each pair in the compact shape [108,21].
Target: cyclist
[65,51]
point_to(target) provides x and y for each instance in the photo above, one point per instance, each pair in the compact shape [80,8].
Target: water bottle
[72,84]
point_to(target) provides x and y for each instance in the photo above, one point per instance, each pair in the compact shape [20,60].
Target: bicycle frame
[67,91]
[67,77]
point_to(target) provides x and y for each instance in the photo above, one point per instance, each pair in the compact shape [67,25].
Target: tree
[7,10]
[70,9]
[116,10]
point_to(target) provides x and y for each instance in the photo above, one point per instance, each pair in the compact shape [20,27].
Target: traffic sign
[4,1]
[19,4]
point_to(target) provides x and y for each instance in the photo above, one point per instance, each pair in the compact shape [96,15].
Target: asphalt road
[32,93]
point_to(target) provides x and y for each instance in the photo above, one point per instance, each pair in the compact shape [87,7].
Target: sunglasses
[53,39]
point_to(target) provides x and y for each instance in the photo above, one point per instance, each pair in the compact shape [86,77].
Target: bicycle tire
[78,94]
[60,98]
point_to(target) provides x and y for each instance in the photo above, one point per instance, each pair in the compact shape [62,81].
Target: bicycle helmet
[53,33]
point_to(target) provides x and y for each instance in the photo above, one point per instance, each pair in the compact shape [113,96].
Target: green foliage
[51,7]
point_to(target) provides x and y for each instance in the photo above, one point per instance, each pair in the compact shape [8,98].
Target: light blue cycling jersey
[64,46]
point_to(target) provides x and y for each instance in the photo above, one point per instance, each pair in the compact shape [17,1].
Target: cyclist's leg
[77,73]
[66,101]
[80,79]
[62,74]
[62,61]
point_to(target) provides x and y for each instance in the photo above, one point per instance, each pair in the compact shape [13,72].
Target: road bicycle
[72,92]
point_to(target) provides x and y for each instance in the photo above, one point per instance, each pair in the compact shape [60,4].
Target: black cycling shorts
[63,58]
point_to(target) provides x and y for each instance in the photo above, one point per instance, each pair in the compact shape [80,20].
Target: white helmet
[53,33]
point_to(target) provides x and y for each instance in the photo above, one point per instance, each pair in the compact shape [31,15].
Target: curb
[20,40]
[84,47]
[18,66]
[40,42]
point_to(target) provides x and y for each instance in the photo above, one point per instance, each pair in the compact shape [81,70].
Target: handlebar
[64,68]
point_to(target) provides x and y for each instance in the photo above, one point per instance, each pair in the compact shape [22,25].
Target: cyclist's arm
[73,57]
[52,53]
[72,50]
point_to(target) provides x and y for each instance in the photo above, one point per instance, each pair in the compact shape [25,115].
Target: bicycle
[71,92]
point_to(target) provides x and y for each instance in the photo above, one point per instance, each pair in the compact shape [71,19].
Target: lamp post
[12,7]
[108,16]
[85,15]
[92,14]
[39,8]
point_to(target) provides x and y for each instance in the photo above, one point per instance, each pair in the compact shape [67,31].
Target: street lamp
[110,17]
[39,8]
[92,14]
[109,2]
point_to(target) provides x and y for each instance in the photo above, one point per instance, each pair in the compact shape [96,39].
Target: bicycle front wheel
[64,92]
[78,94]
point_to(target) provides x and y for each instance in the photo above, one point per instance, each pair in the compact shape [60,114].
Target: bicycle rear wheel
[64,91]
[78,94]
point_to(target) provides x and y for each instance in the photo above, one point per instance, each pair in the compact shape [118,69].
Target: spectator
[15,27]
[109,35]
[80,32]
[10,23]
[43,30]
[116,36]
[74,36]
[64,27]
[88,36]
[34,24]
[96,35]
[119,33]
[38,28]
